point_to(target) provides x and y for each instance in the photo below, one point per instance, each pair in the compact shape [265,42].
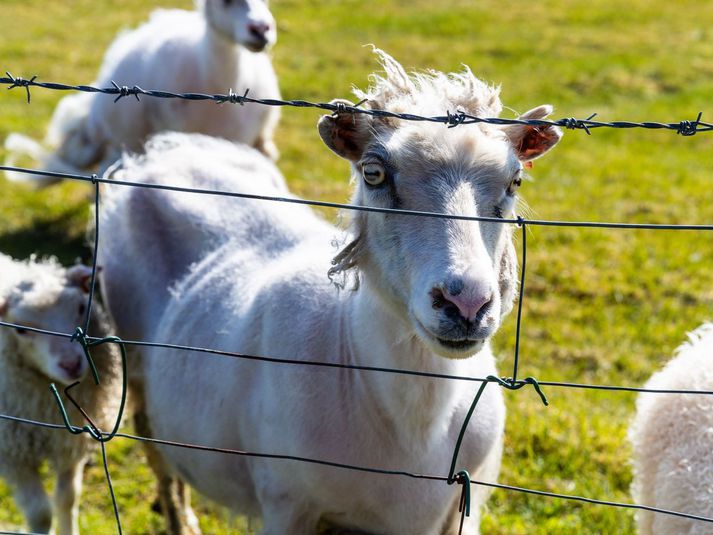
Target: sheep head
[452,279]
[46,296]
[246,22]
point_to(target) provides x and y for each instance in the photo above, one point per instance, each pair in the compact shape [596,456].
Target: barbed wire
[451,118]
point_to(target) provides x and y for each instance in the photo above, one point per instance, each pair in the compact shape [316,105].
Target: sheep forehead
[44,296]
[424,150]
[429,93]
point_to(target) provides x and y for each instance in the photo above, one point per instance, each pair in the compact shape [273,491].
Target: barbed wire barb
[21,82]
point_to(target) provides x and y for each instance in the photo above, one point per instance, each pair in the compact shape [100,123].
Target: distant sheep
[46,295]
[218,47]
[672,438]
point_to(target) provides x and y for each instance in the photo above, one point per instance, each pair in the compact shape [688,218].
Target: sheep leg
[471,524]
[267,147]
[281,519]
[31,498]
[173,494]
[66,498]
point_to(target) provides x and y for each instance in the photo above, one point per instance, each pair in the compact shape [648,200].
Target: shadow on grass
[49,237]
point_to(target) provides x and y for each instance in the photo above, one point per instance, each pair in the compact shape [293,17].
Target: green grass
[602,306]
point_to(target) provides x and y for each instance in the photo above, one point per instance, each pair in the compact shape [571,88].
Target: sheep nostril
[438,299]
[72,367]
[460,302]
[259,30]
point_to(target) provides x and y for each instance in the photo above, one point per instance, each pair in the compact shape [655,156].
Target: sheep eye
[227,2]
[21,331]
[515,183]
[374,173]
[82,309]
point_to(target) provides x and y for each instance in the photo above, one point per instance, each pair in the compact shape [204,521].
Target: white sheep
[216,48]
[251,276]
[672,439]
[48,296]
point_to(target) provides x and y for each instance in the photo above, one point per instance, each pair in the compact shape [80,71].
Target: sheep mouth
[257,44]
[459,345]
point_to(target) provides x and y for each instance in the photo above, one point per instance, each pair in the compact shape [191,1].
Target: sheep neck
[221,59]
[416,408]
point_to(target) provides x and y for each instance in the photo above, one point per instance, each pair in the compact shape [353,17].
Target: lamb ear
[345,133]
[81,276]
[531,142]
[4,305]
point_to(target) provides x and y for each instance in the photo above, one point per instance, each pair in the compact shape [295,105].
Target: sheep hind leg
[173,494]
[281,519]
[66,498]
[31,498]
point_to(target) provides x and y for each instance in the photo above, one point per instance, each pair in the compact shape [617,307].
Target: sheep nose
[73,367]
[464,300]
[259,30]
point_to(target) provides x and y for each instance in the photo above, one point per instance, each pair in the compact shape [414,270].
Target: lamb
[672,439]
[45,295]
[219,46]
[429,296]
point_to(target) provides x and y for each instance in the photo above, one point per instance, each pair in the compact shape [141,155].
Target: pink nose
[259,29]
[469,300]
[73,367]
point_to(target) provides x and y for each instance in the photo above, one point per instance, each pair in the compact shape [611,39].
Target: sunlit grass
[601,306]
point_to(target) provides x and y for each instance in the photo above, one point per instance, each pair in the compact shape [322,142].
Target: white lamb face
[55,305]
[452,280]
[246,22]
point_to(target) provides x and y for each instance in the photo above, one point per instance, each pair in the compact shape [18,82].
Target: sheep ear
[531,142]
[345,133]
[81,276]
[4,305]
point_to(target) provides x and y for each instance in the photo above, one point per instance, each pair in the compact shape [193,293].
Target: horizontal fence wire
[356,367]
[353,207]
[373,470]
[451,118]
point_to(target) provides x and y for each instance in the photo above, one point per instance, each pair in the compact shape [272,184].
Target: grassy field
[601,306]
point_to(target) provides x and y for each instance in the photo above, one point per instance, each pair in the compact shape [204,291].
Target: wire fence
[512,382]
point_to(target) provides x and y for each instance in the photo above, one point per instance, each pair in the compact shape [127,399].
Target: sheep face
[58,305]
[246,22]
[452,280]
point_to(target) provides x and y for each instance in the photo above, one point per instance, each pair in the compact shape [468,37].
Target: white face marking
[447,273]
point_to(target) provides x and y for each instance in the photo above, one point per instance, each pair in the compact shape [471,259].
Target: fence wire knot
[463,479]
[21,82]
[126,91]
[340,107]
[233,97]
[91,428]
[577,124]
[511,384]
[689,128]
[455,119]
[80,337]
